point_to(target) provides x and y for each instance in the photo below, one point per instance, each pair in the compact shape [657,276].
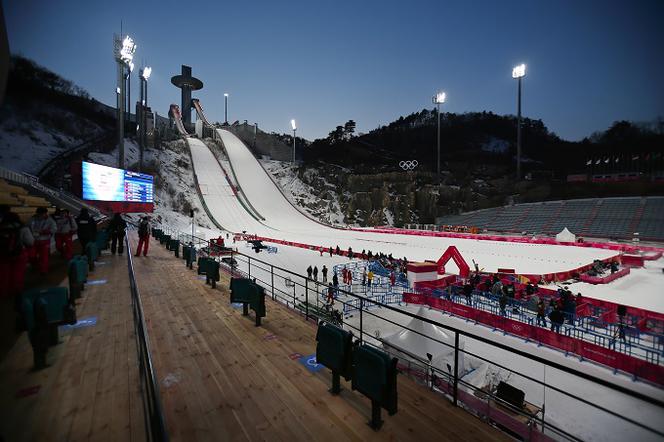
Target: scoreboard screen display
[103,183]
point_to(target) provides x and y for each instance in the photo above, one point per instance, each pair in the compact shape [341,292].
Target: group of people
[21,243]
[312,273]
[561,307]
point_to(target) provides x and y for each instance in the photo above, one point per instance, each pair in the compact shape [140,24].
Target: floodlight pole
[438,99]
[518,130]
[139,118]
[438,140]
[294,145]
[226,109]
[144,120]
[121,104]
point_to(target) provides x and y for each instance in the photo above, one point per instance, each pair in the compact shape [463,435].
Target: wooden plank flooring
[91,390]
[222,378]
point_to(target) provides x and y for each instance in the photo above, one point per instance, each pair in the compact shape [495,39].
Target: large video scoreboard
[103,183]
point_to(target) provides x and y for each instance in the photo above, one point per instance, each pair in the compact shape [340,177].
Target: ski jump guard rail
[304,299]
[177,116]
[199,111]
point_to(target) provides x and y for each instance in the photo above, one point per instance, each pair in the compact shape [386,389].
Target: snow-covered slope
[28,142]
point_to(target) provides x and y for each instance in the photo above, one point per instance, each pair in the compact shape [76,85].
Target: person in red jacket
[63,236]
[143,236]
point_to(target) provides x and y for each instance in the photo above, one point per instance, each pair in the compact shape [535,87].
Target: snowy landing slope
[283,221]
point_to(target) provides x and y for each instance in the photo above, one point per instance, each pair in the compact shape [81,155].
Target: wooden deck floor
[222,378]
[91,389]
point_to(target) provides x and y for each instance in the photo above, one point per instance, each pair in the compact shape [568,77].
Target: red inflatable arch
[453,253]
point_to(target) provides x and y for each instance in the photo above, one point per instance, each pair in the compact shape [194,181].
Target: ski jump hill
[281,222]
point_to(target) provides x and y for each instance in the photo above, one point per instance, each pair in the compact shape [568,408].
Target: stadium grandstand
[619,218]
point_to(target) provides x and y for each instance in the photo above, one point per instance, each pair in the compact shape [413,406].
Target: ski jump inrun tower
[187,83]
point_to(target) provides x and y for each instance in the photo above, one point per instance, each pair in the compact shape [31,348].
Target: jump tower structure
[187,83]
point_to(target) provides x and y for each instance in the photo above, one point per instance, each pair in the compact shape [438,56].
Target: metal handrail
[155,424]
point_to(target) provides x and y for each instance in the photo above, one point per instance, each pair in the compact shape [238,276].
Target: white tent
[566,236]
[415,341]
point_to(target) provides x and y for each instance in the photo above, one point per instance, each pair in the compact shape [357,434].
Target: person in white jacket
[43,228]
[63,236]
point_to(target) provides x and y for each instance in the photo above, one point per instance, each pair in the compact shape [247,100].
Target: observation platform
[91,390]
[223,378]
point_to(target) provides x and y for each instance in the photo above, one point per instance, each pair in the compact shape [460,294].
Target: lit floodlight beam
[439,98]
[519,71]
[145,74]
[292,123]
[128,49]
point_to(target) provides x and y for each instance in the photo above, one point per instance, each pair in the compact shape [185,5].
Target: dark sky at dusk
[589,63]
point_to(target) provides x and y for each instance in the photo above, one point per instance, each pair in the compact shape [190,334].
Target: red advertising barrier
[605,279]
[632,260]
[122,206]
[611,358]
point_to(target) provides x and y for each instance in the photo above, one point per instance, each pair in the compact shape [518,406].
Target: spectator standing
[66,227]
[370,276]
[315,273]
[324,272]
[116,230]
[468,292]
[557,319]
[309,272]
[502,303]
[43,228]
[15,241]
[541,310]
[335,280]
[144,231]
[393,278]
[87,228]
[364,277]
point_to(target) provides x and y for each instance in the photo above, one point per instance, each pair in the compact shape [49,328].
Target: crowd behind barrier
[639,368]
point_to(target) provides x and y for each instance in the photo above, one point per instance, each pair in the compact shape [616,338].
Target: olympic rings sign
[408,165]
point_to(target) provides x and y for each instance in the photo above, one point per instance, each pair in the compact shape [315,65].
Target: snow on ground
[28,146]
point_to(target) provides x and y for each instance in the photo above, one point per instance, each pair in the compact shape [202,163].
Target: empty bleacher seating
[21,202]
[599,217]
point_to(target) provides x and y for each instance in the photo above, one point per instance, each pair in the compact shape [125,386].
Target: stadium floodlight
[128,49]
[519,71]
[146,72]
[117,90]
[438,99]
[294,126]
